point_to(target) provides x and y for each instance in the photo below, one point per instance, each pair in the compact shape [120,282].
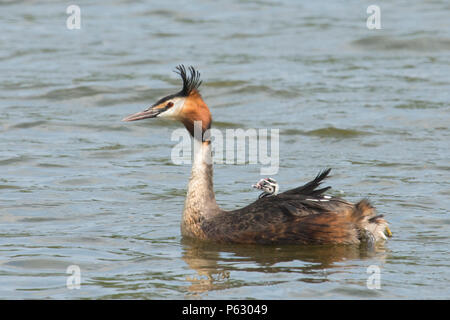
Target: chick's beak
[151,112]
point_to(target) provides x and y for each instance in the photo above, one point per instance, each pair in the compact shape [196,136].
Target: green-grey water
[80,187]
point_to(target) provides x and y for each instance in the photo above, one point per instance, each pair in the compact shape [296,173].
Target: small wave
[6,186]
[246,35]
[225,83]
[13,160]
[226,125]
[158,12]
[38,264]
[138,62]
[40,219]
[51,165]
[268,90]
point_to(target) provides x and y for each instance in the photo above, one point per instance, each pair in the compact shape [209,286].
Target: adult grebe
[301,215]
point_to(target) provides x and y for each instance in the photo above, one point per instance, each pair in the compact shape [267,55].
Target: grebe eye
[170,104]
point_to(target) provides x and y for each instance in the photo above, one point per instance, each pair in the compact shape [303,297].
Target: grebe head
[186,105]
[269,186]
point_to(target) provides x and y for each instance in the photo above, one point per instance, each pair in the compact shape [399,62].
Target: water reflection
[214,263]
[373,105]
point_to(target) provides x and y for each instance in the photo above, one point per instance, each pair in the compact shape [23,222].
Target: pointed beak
[151,112]
[257,186]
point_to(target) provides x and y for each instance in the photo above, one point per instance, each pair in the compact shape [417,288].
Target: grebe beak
[151,112]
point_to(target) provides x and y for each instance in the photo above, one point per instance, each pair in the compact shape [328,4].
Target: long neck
[200,201]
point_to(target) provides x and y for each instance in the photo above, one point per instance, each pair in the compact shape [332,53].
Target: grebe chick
[299,216]
[269,186]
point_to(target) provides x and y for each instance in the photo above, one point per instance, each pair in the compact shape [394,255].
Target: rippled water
[79,187]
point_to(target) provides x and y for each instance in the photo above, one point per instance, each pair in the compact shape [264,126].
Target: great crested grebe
[269,186]
[299,216]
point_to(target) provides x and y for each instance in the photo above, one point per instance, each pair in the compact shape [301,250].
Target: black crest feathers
[191,81]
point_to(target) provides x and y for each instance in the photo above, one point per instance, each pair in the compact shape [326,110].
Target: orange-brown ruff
[303,215]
